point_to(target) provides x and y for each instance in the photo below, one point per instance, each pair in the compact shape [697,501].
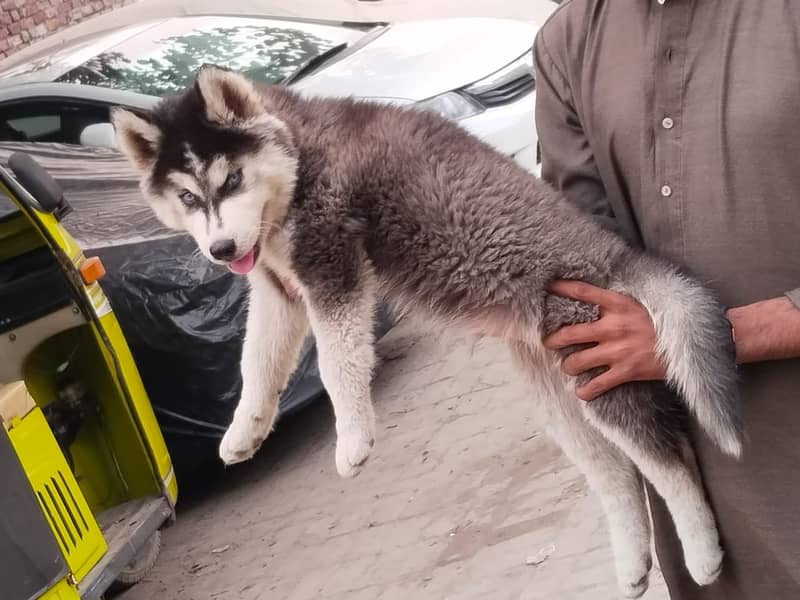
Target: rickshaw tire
[141,564]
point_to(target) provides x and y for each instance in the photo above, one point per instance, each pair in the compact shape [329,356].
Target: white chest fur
[275,255]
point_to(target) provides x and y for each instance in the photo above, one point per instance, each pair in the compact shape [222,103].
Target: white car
[476,71]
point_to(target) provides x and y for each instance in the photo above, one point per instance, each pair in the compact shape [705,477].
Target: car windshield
[164,58]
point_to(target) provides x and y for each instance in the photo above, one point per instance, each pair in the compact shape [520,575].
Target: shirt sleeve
[794,296]
[567,160]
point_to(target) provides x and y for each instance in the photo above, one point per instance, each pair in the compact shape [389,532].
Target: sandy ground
[462,491]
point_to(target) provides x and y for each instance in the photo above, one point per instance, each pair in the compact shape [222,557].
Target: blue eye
[188,198]
[233,180]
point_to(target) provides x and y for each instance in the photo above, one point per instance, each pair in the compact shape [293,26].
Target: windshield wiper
[312,63]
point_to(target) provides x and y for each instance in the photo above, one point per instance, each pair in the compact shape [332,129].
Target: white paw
[353,446]
[243,438]
[634,580]
[704,565]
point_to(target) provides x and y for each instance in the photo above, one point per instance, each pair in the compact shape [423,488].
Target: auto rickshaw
[87,479]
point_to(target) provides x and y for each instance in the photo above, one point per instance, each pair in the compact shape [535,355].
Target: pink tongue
[244,264]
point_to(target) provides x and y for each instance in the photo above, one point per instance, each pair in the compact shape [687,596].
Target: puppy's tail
[693,337]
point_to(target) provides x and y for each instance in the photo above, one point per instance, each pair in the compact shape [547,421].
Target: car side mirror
[99,134]
[40,184]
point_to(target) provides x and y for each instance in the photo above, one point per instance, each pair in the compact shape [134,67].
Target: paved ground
[462,489]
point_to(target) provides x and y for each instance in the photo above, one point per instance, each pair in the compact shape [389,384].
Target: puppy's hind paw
[706,567]
[635,589]
[635,579]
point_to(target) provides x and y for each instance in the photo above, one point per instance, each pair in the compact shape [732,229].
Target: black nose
[223,249]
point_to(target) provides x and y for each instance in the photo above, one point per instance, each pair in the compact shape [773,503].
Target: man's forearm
[766,330]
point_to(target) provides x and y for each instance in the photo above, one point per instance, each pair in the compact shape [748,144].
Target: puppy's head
[213,162]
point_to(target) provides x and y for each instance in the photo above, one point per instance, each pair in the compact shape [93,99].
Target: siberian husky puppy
[328,205]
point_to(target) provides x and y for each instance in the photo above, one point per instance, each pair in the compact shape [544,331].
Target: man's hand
[624,336]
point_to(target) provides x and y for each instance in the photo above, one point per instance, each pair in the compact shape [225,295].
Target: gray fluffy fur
[438,221]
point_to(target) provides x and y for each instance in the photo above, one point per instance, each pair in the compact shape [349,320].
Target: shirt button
[667,123]
[666,191]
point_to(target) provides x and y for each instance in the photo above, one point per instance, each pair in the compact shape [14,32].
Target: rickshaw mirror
[40,184]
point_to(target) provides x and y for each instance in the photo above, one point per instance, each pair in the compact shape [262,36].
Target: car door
[53,120]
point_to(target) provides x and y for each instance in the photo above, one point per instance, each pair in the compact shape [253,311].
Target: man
[676,123]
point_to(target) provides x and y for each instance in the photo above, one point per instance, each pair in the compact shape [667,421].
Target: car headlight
[515,76]
[504,86]
[452,105]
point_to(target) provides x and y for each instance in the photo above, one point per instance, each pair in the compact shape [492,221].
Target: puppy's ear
[229,98]
[137,137]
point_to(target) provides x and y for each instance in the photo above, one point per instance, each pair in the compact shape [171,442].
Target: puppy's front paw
[353,446]
[243,438]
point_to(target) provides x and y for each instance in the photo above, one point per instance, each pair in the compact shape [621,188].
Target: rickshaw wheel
[140,566]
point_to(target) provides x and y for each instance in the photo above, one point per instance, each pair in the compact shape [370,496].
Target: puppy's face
[213,162]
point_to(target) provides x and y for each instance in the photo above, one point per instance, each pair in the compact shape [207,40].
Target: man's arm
[767,330]
[568,163]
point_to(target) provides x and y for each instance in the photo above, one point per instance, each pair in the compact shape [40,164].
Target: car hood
[417,60]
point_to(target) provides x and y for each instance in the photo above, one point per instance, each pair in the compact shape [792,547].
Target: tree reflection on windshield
[268,54]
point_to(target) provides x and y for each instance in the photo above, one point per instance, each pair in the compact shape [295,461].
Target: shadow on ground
[293,437]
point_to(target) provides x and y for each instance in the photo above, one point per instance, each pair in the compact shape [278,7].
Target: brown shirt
[677,122]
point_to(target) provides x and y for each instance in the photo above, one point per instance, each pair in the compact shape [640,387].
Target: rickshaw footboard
[126,528]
